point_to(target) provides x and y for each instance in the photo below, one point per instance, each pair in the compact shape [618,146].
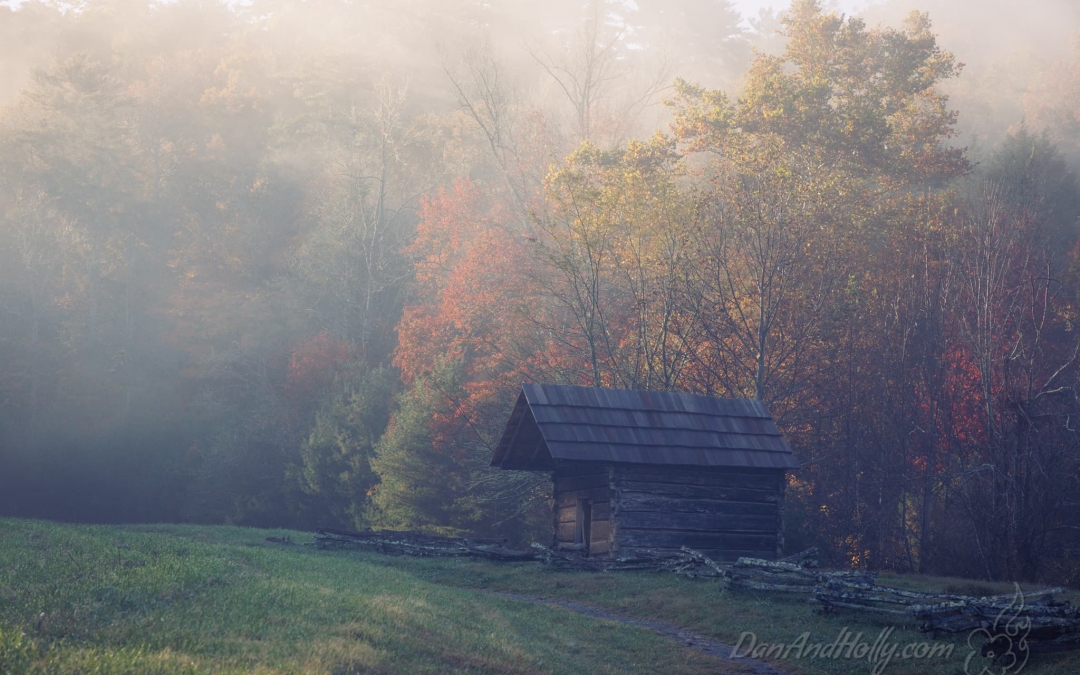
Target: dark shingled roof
[554,423]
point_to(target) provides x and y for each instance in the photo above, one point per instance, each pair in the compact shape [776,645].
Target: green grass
[191,599]
[702,605]
[186,599]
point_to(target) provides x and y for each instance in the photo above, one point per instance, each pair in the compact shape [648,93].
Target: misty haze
[287,265]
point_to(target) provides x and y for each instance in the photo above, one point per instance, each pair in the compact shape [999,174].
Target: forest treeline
[286,264]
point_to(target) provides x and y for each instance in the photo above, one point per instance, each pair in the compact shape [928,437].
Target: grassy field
[190,599]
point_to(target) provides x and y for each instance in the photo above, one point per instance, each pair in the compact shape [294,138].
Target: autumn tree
[809,169]
[1014,332]
[846,115]
[465,343]
[614,245]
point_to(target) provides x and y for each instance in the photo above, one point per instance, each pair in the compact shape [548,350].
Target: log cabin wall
[574,487]
[659,470]
[724,513]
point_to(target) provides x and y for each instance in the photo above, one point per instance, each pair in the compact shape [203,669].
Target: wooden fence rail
[1047,624]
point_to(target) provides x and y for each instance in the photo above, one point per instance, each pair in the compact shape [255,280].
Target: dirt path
[687,638]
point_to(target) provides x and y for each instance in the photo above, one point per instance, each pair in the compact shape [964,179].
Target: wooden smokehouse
[653,470]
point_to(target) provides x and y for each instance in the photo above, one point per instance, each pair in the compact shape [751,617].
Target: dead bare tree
[586,68]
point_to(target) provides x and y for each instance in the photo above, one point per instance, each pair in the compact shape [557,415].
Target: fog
[1009,49]
[220,224]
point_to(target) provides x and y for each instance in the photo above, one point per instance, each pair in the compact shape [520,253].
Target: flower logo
[1004,642]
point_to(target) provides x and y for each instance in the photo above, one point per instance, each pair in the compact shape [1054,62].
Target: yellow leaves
[865,99]
[702,116]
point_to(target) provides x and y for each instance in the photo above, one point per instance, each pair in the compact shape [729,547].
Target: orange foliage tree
[464,343]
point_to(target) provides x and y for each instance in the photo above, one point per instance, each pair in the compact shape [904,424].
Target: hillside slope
[188,599]
[196,599]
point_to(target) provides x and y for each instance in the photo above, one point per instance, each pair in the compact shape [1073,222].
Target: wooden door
[583,534]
